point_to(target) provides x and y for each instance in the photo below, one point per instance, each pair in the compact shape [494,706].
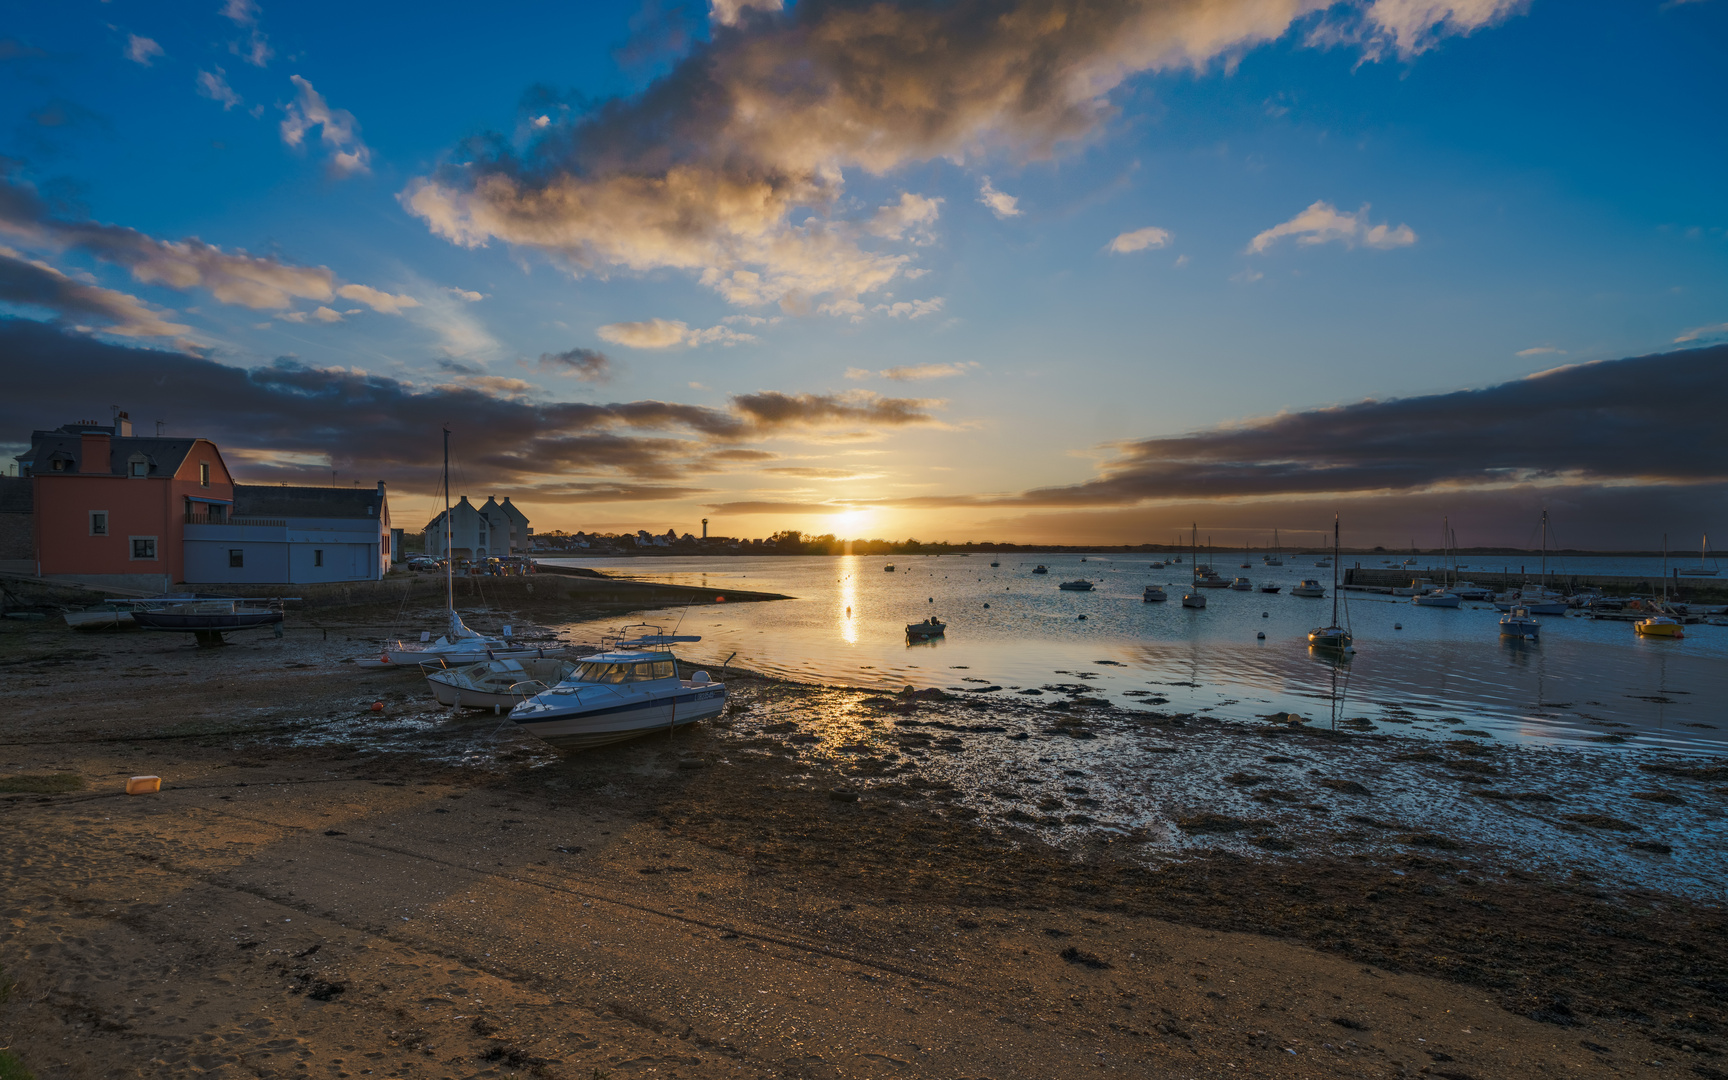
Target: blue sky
[1383,200]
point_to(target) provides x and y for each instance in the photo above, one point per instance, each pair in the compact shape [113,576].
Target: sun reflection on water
[848,622]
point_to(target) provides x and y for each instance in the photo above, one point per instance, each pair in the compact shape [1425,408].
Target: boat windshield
[640,671]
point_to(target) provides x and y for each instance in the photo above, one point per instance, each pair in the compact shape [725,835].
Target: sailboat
[459,644]
[1333,636]
[1661,625]
[1700,570]
[1273,557]
[1192,597]
[1540,600]
[1441,596]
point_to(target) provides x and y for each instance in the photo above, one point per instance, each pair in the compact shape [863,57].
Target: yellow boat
[1659,626]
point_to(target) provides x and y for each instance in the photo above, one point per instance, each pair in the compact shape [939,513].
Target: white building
[291,535]
[491,530]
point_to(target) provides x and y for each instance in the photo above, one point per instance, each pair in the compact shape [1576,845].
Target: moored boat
[1154,594]
[1039,569]
[495,684]
[1242,584]
[1333,636]
[1308,588]
[1519,624]
[635,687]
[929,628]
[1077,585]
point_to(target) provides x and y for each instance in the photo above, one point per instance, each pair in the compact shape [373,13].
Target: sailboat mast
[1544,552]
[1334,569]
[449,550]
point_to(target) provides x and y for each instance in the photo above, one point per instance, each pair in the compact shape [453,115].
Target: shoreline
[439,868]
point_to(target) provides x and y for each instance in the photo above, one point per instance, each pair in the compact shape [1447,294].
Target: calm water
[1432,667]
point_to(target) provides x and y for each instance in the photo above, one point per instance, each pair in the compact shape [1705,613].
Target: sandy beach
[824,883]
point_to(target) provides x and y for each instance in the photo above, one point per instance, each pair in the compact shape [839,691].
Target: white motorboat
[1271,587]
[929,628]
[1154,594]
[889,569]
[1039,569]
[635,687]
[1469,590]
[1519,624]
[1210,580]
[1309,588]
[1323,564]
[1077,585]
[1417,587]
[1437,598]
[1242,584]
[495,684]
[1333,636]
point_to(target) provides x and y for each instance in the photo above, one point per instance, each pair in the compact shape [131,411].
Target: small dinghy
[929,628]
[495,684]
[1078,585]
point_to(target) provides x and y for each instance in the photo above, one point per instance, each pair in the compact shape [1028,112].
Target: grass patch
[11,1068]
[44,784]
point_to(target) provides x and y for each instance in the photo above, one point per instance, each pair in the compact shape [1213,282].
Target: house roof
[261,500]
[166,455]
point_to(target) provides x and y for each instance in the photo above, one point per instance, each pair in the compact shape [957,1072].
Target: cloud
[379,301]
[910,309]
[321,313]
[241,12]
[466,294]
[232,277]
[732,166]
[1610,422]
[214,85]
[33,283]
[588,365]
[732,12]
[1699,333]
[1323,223]
[287,412]
[668,334]
[139,50]
[340,131]
[1415,26]
[916,372]
[256,51]
[1140,240]
[913,214]
[1003,206]
[1541,350]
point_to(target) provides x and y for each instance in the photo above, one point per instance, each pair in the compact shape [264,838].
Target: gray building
[293,535]
[491,530]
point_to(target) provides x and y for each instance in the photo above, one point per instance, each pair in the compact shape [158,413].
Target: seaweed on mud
[1667,797]
[1601,821]
[1348,787]
[1430,840]
[1690,772]
[1209,822]
[1085,959]
[1519,796]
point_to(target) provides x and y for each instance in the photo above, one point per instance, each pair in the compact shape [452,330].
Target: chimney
[93,448]
[123,425]
[380,487]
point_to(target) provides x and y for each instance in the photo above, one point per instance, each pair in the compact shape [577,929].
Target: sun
[849,523]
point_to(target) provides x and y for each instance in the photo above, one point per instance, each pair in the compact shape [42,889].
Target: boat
[1660,623]
[459,644]
[1700,570]
[889,569]
[1518,623]
[1157,566]
[1039,569]
[101,618]
[1437,598]
[211,615]
[1417,587]
[1193,598]
[994,562]
[1154,594]
[1309,588]
[1077,585]
[1323,564]
[633,687]
[1273,557]
[929,628]
[495,684]
[1442,595]
[1334,635]
[1271,587]
[1242,584]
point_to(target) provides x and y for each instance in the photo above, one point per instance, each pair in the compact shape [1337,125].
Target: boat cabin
[625,667]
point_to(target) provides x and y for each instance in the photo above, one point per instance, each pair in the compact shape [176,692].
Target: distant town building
[490,530]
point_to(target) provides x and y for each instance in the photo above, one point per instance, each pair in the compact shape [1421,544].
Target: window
[98,523]
[59,465]
[218,513]
[204,474]
[144,547]
[317,556]
[140,468]
[236,558]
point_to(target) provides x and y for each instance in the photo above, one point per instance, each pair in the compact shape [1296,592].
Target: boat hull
[1650,628]
[100,620]
[581,730]
[201,622]
[1520,628]
[1447,601]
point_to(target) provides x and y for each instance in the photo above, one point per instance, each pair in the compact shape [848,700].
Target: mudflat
[321,889]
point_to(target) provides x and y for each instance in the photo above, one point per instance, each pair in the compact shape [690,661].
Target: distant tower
[704,528]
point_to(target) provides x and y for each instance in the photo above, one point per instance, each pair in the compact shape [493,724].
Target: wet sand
[823,883]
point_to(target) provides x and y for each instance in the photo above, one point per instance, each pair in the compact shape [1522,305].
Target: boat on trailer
[633,687]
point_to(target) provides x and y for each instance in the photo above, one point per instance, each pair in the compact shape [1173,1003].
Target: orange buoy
[377,706]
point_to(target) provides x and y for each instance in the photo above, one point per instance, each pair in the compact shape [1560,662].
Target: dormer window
[59,465]
[204,474]
[138,466]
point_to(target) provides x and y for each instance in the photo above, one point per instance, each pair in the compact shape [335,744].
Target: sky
[1041,271]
